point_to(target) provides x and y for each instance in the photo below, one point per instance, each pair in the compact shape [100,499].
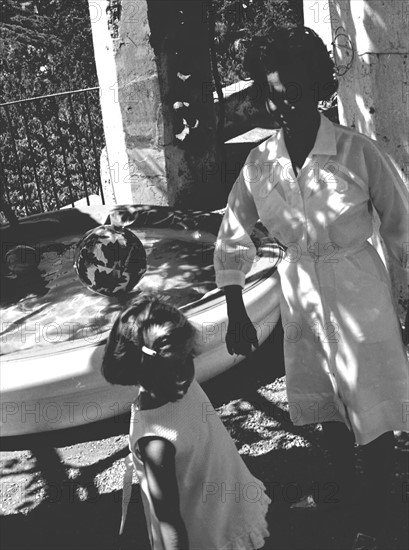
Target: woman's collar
[325,142]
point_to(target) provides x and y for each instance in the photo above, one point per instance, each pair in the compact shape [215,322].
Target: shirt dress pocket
[274,211]
[348,219]
[364,298]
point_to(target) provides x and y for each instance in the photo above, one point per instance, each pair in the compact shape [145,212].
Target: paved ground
[63,490]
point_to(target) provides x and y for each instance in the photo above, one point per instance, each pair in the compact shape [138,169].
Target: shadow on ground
[62,490]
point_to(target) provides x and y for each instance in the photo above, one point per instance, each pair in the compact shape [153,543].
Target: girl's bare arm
[158,455]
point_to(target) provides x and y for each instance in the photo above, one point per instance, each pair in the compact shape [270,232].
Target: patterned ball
[110,259]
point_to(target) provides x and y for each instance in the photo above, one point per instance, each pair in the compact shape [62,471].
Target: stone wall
[371,48]
[152,56]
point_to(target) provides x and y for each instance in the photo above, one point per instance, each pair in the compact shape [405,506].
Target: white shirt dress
[344,356]
[222,504]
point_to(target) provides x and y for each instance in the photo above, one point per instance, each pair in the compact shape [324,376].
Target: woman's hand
[241,333]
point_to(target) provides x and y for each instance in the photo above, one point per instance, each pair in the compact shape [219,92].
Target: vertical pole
[105,48]
[152,55]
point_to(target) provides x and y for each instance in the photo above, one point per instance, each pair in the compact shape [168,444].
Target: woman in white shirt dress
[316,187]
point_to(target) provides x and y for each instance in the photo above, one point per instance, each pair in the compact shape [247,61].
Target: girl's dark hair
[163,329]
[263,52]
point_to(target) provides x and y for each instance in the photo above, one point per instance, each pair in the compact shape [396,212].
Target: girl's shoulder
[170,418]
[147,404]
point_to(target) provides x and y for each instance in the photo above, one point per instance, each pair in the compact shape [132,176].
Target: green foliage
[236,20]
[56,155]
[46,47]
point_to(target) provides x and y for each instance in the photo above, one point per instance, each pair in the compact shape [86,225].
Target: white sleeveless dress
[222,504]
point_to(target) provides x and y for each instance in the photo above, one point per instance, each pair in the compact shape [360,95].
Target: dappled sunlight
[179,247]
[332,309]
[308,295]
[256,434]
[61,494]
[259,422]
[61,309]
[365,125]
[370,46]
[371,21]
[347,364]
[55,475]
[83,481]
[302,294]
[180,270]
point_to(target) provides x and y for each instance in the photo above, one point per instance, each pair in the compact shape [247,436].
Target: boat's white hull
[65,388]
[62,386]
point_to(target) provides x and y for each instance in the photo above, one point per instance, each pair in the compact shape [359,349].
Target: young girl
[315,186]
[197,492]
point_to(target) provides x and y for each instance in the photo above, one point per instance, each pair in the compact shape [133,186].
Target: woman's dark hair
[263,52]
[164,330]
